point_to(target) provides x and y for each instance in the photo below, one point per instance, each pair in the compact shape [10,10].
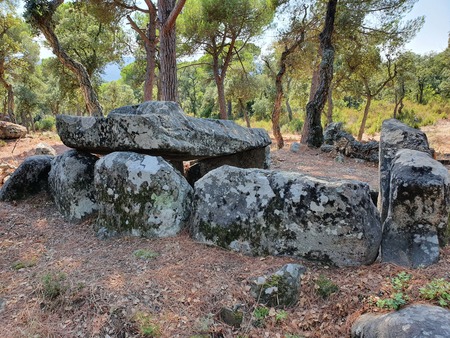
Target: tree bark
[221,97]
[276,112]
[219,76]
[364,119]
[9,92]
[168,11]
[312,133]
[289,109]
[9,99]
[149,39]
[420,95]
[90,96]
[244,112]
[330,105]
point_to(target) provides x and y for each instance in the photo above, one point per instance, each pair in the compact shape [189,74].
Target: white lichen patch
[316,207]
[258,190]
[394,137]
[84,206]
[143,170]
[87,122]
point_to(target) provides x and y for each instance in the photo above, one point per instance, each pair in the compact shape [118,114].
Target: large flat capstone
[160,129]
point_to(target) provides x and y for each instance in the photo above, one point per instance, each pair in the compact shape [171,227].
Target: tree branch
[138,30]
[170,22]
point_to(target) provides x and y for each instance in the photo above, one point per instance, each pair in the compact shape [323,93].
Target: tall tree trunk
[364,119]
[312,133]
[244,112]
[314,82]
[330,105]
[168,11]
[288,105]
[9,100]
[149,39]
[44,23]
[289,109]
[276,112]
[219,79]
[420,95]
[223,115]
[229,107]
[397,103]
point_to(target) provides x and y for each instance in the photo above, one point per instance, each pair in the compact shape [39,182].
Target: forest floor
[59,280]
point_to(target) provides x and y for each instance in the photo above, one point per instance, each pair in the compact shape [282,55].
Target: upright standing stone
[30,178]
[140,195]
[71,182]
[417,217]
[264,212]
[395,135]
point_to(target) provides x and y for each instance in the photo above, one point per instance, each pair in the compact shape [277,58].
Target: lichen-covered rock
[415,321]
[140,195]
[417,218]
[44,149]
[394,136]
[30,178]
[279,289]
[10,130]
[345,144]
[159,129]
[71,182]
[264,212]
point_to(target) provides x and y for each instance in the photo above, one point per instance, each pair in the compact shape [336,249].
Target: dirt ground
[59,280]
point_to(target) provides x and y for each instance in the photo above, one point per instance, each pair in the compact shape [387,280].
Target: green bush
[47,123]
[293,127]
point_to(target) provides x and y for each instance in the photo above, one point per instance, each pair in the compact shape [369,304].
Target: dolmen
[138,187]
[161,128]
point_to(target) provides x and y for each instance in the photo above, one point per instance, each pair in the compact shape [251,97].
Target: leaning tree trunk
[90,96]
[364,119]
[312,133]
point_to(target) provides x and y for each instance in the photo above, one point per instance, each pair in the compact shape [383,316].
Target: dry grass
[106,290]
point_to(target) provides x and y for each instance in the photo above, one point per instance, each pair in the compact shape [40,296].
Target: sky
[435,32]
